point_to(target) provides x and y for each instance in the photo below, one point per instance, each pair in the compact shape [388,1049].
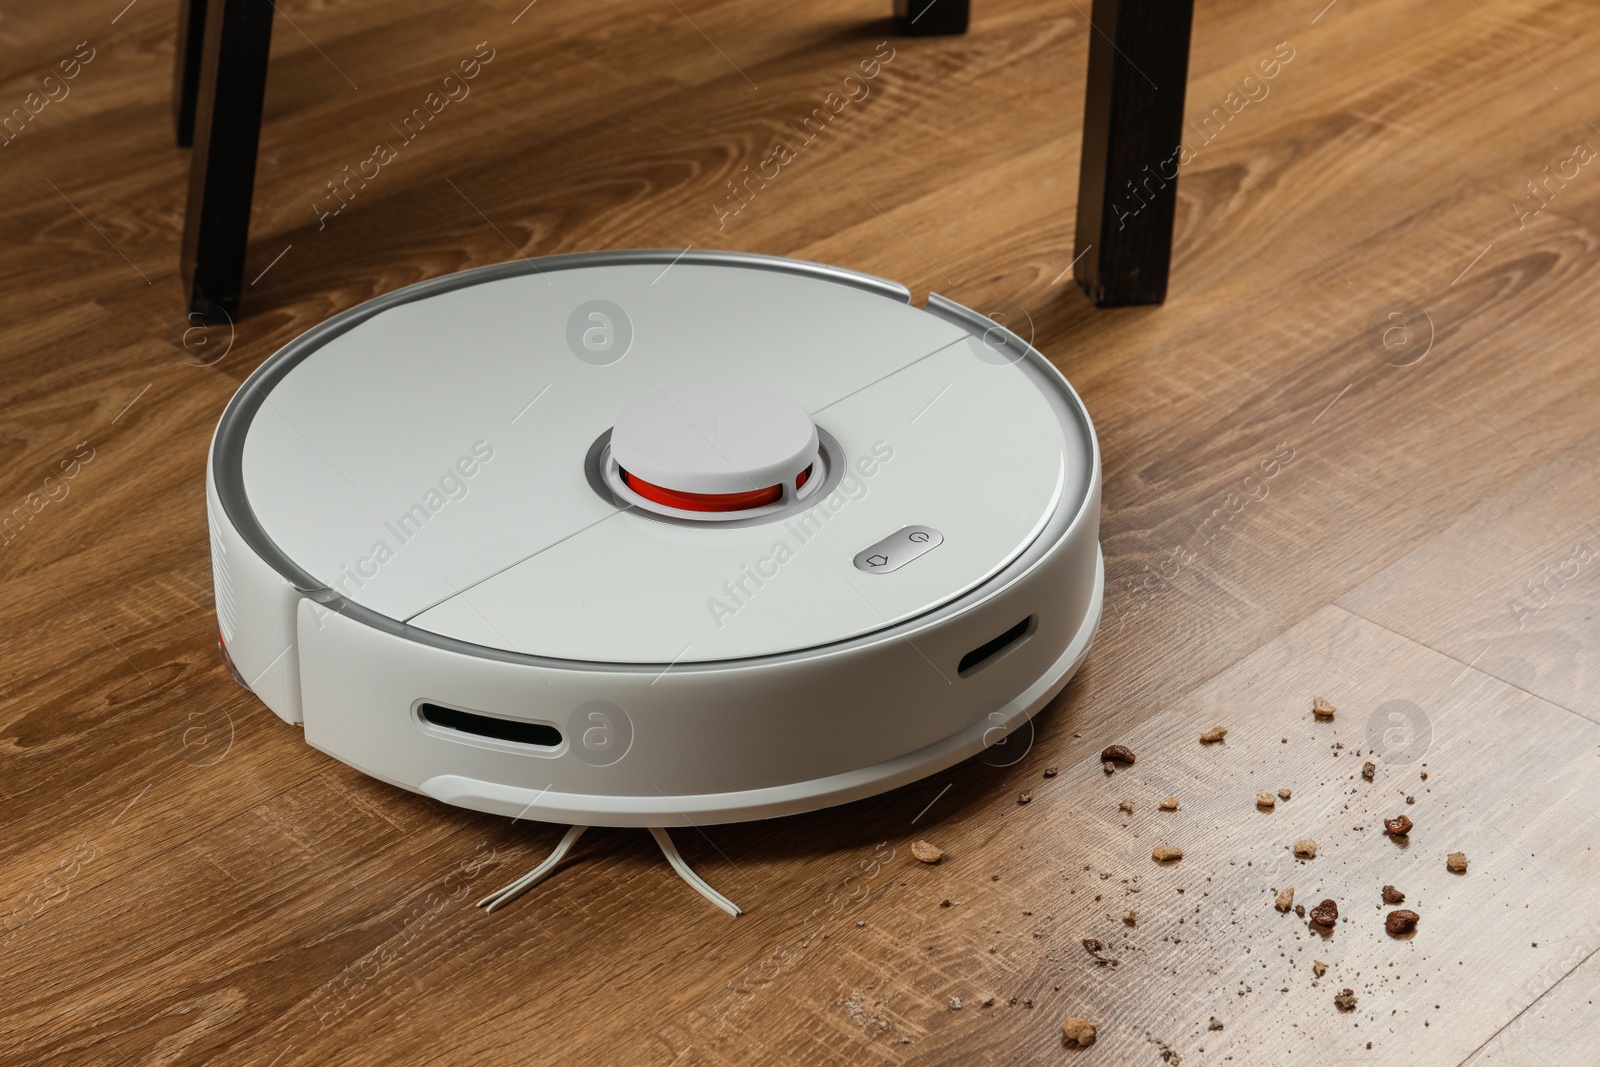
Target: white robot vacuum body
[655,538]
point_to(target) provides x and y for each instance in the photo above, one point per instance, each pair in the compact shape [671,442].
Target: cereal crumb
[1369,770]
[1024,798]
[1319,968]
[1285,899]
[1108,766]
[1284,794]
[1266,801]
[1399,826]
[1170,804]
[1345,1000]
[1321,708]
[1118,754]
[1079,1031]
[1050,772]
[1391,895]
[1401,922]
[1305,848]
[1213,735]
[1127,806]
[1216,1023]
[1457,862]
[1166,853]
[1325,914]
[927,852]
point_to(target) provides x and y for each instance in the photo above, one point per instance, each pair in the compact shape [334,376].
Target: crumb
[1170,804]
[1050,772]
[1345,1000]
[1391,895]
[1319,968]
[1285,899]
[861,924]
[1399,826]
[1424,776]
[1165,853]
[1024,798]
[1457,862]
[1216,1023]
[1118,754]
[1127,806]
[1321,708]
[1401,922]
[1305,848]
[1284,794]
[1131,918]
[955,1003]
[1266,801]
[1369,770]
[1411,800]
[1325,914]
[1108,766]
[1300,910]
[927,852]
[1213,735]
[987,1002]
[1077,1031]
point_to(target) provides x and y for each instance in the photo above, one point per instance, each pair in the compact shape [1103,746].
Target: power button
[898,549]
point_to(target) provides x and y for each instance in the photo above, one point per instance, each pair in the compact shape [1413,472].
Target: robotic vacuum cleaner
[655,538]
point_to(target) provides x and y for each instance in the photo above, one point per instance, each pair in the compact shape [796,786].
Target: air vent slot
[538,734]
[993,647]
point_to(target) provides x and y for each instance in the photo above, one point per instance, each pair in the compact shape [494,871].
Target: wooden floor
[186,882]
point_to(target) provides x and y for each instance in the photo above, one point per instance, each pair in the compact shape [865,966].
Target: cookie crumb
[1213,735]
[1024,798]
[1305,848]
[1319,968]
[1399,826]
[1284,794]
[1050,772]
[1457,862]
[1401,922]
[1345,1000]
[1127,806]
[1391,895]
[1118,754]
[1321,708]
[1170,804]
[1285,899]
[1077,1031]
[1266,801]
[1369,770]
[926,851]
[1325,914]
[1166,853]
[1300,910]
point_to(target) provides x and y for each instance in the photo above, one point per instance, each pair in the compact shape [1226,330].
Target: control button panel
[898,549]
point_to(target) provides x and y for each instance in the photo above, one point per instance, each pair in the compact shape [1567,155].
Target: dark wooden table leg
[186,68]
[233,82]
[931,18]
[1132,128]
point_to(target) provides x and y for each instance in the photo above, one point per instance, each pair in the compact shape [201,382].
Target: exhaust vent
[993,647]
[538,734]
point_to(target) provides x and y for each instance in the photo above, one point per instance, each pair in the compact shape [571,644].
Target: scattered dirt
[1078,1032]
[1399,826]
[1322,709]
[1170,853]
[927,852]
[1213,735]
[1305,848]
[1319,968]
[1216,1024]
[1456,862]
[1369,770]
[1127,806]
[1391,895]
[1325,914]
[1285,899]
[1345,1000]
[1118,754]
[1266,801]
[1401,922]
[1170,804]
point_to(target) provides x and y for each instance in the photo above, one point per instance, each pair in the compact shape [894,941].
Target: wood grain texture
[1290,507]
